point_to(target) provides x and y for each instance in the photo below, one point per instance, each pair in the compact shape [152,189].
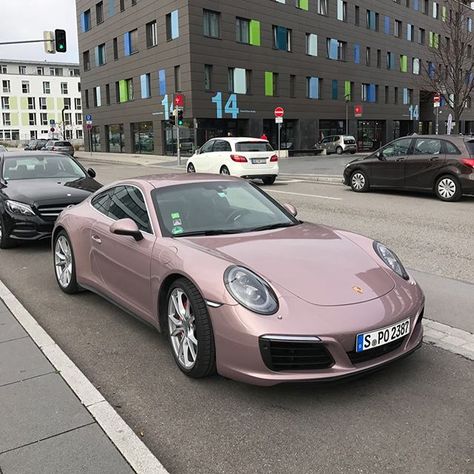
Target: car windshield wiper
[274,226]
[210,232]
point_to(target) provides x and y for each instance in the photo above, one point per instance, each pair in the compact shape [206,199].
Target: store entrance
[370,134]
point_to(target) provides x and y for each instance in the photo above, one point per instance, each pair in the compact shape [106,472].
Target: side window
[395,149]
[207,147]
[336,138]
[128,201]
[221,145]
[326,140]
[427,146]
[102,201]
[451,149]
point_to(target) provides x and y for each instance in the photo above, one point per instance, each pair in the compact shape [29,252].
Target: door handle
[434,158]
[400,159]
[96,238]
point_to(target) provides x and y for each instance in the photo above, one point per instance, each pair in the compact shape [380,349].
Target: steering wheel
[236,215]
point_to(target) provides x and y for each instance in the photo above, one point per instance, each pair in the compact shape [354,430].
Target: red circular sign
[437,98]
[52,129]
[88,126]
[279,112]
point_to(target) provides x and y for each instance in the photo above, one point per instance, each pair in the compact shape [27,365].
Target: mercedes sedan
[237,283]
[34,188]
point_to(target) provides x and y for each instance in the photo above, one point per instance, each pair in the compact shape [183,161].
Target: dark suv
[443,164]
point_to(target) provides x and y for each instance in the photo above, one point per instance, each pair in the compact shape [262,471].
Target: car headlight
[250,290]
[391,260]
[19,208]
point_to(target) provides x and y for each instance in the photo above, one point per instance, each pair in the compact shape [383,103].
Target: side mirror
[91,173]
[197,151]
[291,209]
[126,227]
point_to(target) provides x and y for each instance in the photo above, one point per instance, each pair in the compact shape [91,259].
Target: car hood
[313,262]
[50,191]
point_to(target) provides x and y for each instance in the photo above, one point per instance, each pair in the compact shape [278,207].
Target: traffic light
[60,40]
[172,120]
[358,111]
[180,117]
[179,100]
[48,39]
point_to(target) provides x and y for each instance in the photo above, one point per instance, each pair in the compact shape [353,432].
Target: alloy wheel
[191,169]
[358,181]
[1,230]
[63,261]
[182,329]
[225,171]
[447,188]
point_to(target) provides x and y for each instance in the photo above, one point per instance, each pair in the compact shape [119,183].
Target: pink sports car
[236,282]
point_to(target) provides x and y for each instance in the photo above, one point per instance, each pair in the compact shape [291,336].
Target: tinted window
[62,144]
[451,149]
[427,146]
[253,146]
[207,147]
[39,167]
[127,201]
[221,145]
[396,148]
[102,201]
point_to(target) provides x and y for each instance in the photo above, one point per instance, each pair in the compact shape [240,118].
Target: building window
[6,119]
[407,96]
[368,93]
[22,70]
[40,71]
[207,77]
[387,94]
[6,103]
[6,86]
[348,90]
[271,84]
[336,49]
[122,5]
[115,138]
[77,103]
[334,89]
[372,20]
[386,25]
[239,80]
[390,60]
[151,34]
[107,94]
[436,10]
[67,103]
[130,41]
[86,98]
[367,56]
[421,36]
[247,31]
[292,85]
[397,30]
[379,58]
[25,87]
[115,48]
[86,60]
[100,58]
[357,53]
[79,135]
[64,88]
[145,84]
[97,97]
[211,21]
[31,103]
[4,69]
[323,7]
[410,32]
[403,63]
[99,12]
[55,71]
[341,10]
[67,119]
[313,87]
[311,44]
[125,90]
[44,119]
[172,25]
[46,88]
[177,78]
[142,136]
[86,21]
[42,103]
[281,38]
[357,15]
[32,119]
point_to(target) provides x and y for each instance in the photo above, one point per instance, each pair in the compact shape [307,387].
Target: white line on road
[305,195]
[126,441]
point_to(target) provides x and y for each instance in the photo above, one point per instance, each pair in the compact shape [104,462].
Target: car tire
[353,152]
[189,330]
[5,241]
[359,181]
[448,188]
[64,263]
[269,180]
[191,168]
[339,150]
[224,170]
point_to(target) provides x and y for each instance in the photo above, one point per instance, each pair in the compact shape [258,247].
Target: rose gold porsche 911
[238,284]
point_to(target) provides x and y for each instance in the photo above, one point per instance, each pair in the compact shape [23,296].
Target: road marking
[125,440]
[305,195]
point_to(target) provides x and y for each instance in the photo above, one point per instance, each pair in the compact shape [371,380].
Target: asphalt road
[415,416]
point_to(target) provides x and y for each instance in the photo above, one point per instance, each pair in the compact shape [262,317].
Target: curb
[313,178]
[130,446]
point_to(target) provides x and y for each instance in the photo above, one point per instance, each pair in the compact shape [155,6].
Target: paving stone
[9,326]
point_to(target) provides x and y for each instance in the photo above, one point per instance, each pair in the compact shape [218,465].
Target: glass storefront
[288,133]
[370,134]
[115,138]
[186,138]
[142,136]
[95,138]
[331,127]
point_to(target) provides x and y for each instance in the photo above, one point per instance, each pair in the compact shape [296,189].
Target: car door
[122,262]
[325,143]
[422,165]
[221,152]
[202,162]
[388,169]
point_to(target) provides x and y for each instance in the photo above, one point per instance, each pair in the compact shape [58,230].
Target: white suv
[244,157]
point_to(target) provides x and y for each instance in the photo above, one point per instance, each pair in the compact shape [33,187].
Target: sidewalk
[52,419]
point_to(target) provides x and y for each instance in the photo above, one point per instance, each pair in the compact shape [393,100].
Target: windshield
[253,146]
[212,208]
[38,167]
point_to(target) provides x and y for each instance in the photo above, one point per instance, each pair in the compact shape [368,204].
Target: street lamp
[347,98]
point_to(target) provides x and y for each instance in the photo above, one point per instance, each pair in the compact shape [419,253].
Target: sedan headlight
[391,260]
[19,208]
[250,290]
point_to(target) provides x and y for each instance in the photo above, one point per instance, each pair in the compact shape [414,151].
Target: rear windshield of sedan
[62,144]
[38,167]
[253,146]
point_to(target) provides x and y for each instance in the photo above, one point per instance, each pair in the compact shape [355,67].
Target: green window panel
[347,90]
[50,103]
[444,13]
[14,118]
[25,119]
[435,40]
[403,63]
[24,103]
[60,103]
[303,4]
[123,91]
[13,104]
[255,32]
[430,39]
[268,83]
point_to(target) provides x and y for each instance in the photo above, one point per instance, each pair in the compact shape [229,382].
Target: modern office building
[235,61]
[39,96]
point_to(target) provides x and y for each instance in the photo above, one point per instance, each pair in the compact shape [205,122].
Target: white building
[36,97]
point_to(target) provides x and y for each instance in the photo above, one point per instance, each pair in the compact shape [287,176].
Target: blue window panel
[111,8]
[431,70]
[415,5]
[371,93]
[127,44]
[174,24]
[162,81]
[145,85]
[405,96]
[386,27]
[313,91]
[83,23]
[332,50]
[334,89]
[281,38]
[357,53]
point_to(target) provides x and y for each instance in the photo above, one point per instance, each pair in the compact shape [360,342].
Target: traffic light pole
[23,42]
[178,146]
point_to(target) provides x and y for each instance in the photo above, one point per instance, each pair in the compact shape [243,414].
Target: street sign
[88,122]
[51,129]
[450,124]
[358,110]
[279,112]
[52,121]
[88,118]
[436,101]
[278,119]
[89,126]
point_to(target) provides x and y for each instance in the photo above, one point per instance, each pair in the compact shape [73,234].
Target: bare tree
[449,70]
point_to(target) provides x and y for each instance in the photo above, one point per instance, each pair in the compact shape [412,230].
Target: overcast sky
[27,19]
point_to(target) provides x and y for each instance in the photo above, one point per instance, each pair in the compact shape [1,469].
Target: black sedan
[443,164]
[34,189]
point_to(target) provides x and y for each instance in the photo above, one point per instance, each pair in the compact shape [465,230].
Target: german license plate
[379,337]
[259,161]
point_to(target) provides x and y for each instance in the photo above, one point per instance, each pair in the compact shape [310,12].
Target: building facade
[236,61]
[39,96]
